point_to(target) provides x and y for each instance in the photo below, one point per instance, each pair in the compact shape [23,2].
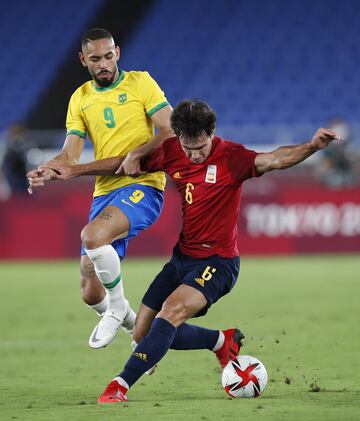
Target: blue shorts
[213,276]
[141,204]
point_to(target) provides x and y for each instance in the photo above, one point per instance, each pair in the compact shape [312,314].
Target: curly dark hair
[191,118]
[94,34]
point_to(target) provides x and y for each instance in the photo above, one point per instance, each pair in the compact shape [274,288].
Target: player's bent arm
[161,120]
[287,156]
[70,154]
[71,150]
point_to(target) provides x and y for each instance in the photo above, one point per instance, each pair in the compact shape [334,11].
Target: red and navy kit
[210,194]
[213,276]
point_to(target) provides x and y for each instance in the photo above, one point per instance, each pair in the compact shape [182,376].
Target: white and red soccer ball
[245,377]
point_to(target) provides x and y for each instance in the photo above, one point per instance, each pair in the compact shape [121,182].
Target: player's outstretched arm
[287,156]
[161,119]
[70,155]
[66,171]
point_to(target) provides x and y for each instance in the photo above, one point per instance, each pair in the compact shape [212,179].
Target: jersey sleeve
[155,161]
[161,159]
[74,120]
[241,163]
[152,96]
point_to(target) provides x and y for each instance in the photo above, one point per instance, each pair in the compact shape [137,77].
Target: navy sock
[194,337]
[149,351]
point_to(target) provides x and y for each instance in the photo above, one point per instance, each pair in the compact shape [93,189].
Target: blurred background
[273,70]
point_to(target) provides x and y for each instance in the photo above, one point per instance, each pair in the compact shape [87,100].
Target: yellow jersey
[117,120]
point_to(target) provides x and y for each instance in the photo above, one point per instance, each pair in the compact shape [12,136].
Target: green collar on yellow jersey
[113,85]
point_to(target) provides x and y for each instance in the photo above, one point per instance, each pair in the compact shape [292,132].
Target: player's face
[197,150]
[100,57]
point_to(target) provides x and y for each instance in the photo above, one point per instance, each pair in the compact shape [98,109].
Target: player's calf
[149,372]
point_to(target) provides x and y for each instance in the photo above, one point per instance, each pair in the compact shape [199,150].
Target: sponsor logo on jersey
[177,174]
[141,355]
[211,174]
[122,98]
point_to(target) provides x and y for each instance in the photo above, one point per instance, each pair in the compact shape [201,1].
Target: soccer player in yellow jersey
[117,110]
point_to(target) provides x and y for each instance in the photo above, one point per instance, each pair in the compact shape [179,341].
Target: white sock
[219,342]
[101,307]
[107,268]
[121,382]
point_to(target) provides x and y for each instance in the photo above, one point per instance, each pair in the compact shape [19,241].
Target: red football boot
[113,393]
[231,346]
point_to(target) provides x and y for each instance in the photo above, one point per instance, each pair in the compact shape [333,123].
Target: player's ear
[81,57]
[117,52]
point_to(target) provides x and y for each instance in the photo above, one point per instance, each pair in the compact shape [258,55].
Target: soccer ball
[245,377]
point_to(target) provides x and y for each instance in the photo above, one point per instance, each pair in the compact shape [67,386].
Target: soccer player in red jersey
[208,172]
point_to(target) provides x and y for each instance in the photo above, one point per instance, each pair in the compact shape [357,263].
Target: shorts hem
[200,289]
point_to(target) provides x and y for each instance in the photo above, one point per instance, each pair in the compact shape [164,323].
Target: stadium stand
[274,64]
[121,19]
[263,62]
[35,38]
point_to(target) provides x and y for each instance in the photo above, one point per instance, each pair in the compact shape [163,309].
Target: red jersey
[210,193]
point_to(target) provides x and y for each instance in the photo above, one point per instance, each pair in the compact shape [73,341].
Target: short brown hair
[193,117]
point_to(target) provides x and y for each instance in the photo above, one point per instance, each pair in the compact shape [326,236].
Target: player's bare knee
[174,312]
[92,239]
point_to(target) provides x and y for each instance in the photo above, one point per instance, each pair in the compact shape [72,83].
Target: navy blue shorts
[141,204]
[213,276]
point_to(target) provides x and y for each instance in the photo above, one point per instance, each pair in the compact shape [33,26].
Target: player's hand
[323,137]
[38,177]
[130,166]
[63,170]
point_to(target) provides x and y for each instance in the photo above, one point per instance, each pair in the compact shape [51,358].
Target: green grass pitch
[301,317]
